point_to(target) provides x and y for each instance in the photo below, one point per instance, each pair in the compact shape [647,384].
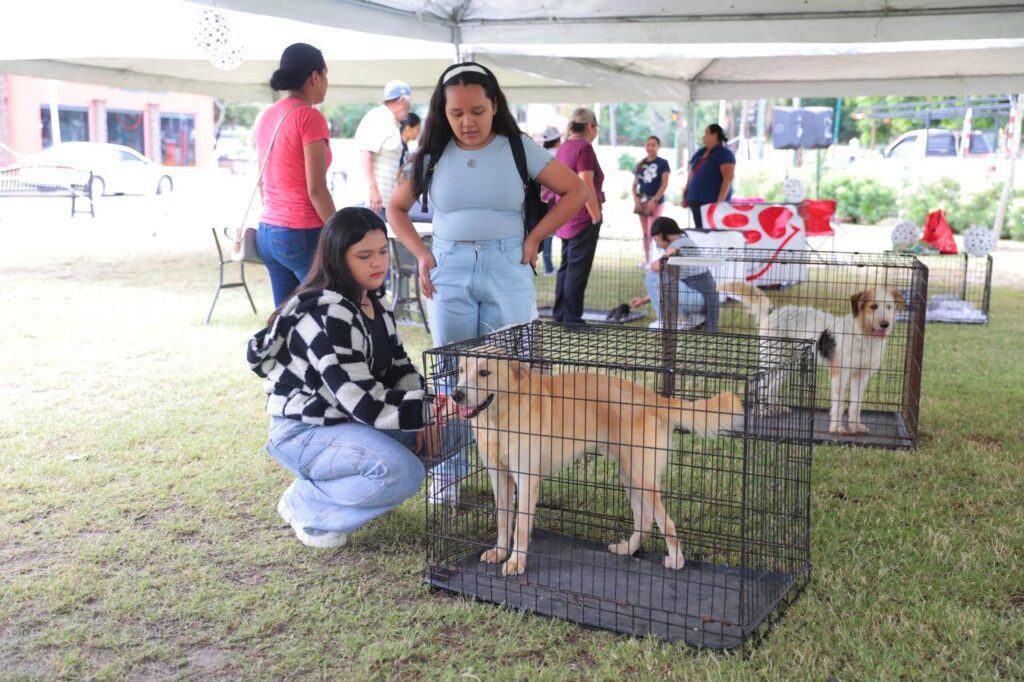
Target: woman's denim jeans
[696,294]
[349,474]
[546,246]
[479,287]
[288,255]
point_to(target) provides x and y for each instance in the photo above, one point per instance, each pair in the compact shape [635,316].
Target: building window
[74,124]
[178,139]
[127,128]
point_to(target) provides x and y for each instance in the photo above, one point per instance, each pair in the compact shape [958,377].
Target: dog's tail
[708,417]
[826,344]
[753,299]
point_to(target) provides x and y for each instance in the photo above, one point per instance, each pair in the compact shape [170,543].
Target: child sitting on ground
[697,292]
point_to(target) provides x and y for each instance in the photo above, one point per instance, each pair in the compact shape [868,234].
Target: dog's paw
[836,428]
[494,556]
[514,566]
[858,427]
[675,562]
[621,547]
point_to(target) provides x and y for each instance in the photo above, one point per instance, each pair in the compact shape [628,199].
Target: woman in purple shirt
[579,235]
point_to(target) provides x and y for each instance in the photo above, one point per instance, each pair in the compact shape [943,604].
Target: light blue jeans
[351,473]
[690,300]
[479,287]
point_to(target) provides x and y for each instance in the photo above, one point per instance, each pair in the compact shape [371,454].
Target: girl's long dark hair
[437,132]
[329,270]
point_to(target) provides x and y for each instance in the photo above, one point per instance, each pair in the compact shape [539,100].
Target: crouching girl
[349,413]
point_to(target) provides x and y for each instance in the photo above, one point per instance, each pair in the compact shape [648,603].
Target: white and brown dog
[530,425]
[851,346]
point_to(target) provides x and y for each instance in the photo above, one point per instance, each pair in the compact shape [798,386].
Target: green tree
[345,118]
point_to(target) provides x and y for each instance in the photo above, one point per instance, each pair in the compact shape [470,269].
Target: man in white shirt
[380,144]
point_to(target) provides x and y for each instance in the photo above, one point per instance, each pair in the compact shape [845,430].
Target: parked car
[918,144]
[116,169]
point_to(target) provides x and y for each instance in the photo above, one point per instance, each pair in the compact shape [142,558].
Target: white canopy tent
[590,50]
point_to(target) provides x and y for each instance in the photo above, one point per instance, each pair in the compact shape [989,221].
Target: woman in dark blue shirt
[711,172]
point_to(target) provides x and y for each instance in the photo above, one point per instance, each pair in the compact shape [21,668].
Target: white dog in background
[851,346]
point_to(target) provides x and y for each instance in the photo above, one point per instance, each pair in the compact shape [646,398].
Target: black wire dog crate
[959,288]
[864,312]
[615,279]
[643,522]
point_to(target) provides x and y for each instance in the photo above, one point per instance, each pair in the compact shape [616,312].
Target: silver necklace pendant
[471,163]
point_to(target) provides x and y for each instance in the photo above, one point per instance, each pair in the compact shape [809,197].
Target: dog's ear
[859,300]
[518,369]
[901,303]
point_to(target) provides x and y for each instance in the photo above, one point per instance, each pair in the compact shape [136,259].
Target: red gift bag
[938,233]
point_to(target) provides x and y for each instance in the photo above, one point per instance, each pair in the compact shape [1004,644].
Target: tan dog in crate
[529,425]
[851,346]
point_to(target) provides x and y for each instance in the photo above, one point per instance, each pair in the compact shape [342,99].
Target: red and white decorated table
[768,227]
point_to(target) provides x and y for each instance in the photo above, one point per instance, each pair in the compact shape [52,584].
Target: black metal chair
[220,275]
[405,282]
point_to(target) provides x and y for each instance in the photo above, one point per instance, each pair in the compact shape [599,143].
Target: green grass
[138,536]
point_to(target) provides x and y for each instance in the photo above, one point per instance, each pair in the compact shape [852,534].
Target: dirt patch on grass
[23,563]
[205,660]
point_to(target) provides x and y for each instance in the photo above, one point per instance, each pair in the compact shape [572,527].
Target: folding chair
[220,276]
[405,281]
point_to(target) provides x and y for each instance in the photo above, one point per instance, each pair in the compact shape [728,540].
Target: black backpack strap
[519,154]
[428,177]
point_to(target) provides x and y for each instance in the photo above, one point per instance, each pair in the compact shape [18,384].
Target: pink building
[176,129]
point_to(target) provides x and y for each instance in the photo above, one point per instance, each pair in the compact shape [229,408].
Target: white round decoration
[211,32]
[793,190]
[978,240]
[228,57]
[905,233]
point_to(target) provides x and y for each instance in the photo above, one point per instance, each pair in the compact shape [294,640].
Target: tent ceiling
[655,21]
[586,51]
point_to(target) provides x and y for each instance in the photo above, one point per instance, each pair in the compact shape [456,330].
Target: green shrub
[862,200]
[917,201]
[627,162]
[961,210]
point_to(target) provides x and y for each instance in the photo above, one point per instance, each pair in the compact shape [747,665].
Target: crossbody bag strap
[263,167]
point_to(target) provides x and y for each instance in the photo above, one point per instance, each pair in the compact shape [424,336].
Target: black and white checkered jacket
[315,358]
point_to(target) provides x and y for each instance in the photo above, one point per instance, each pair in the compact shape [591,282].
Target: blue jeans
[288,255]
[545,247]
[351,473]
[696,294]
[479,287]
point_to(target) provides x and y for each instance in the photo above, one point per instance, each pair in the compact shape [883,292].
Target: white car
[116,169]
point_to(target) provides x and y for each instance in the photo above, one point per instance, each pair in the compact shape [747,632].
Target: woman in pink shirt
[296,201]
[579,235]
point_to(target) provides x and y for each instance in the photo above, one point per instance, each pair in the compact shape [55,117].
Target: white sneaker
[655,325]
[443,490]
[310,537]
[693,320]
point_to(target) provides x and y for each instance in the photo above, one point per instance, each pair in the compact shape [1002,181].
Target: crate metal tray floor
[699,604]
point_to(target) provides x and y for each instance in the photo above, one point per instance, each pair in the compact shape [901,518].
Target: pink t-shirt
[579,156]
[285,197]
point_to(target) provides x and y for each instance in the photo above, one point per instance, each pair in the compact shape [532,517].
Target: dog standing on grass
[851,346]
[529,425]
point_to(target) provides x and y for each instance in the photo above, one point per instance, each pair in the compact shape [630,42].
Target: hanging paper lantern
[978,240]
[229,56]
[905,233]
[211,31]
[793,190]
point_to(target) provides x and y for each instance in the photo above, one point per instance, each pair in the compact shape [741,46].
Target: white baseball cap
[396,89]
